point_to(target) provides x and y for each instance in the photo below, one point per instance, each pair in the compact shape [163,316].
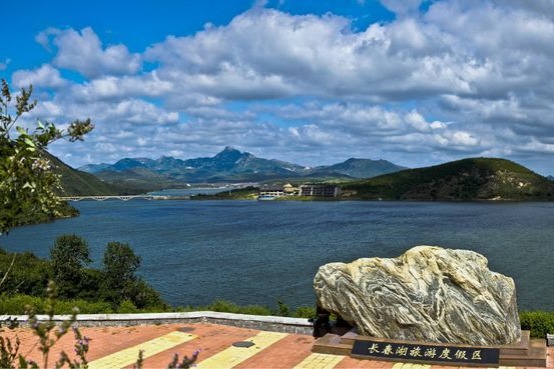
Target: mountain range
[228,166]
[466,179]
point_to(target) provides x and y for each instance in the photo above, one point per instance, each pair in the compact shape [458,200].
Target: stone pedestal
[524,353]
[429,305]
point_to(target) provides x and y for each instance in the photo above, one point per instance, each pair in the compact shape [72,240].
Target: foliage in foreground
[27,182]
[48,333]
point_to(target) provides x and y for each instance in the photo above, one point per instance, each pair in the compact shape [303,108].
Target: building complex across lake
[315,190]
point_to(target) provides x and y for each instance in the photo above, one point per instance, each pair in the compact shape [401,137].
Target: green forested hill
[74,183]
[467,179]
[78,183]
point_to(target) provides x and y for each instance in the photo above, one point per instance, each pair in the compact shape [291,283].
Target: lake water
[252,252]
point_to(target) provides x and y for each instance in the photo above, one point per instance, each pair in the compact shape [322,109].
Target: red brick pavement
[210,340]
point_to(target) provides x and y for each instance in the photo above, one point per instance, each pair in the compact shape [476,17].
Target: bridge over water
[121,197]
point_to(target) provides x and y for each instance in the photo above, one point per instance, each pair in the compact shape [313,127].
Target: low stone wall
[265,323]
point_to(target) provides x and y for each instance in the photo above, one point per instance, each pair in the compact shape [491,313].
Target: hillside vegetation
[467,179]
[73,183]
[78,183]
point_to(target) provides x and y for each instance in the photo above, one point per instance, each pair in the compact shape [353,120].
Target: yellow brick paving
[229,357]
[410,366]
[421,366]
[320,361]
[129,356]
[233,356]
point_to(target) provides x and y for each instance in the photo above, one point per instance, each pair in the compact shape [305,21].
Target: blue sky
[307,81]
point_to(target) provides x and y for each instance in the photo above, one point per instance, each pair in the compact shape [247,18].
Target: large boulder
[427,294]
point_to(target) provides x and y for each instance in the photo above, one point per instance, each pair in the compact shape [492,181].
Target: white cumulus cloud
[83,51]
[44,76]
[445,78]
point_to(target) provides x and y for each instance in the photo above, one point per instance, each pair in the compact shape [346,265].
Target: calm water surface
[253,252]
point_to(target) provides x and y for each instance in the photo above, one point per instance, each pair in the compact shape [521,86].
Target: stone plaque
[416,352]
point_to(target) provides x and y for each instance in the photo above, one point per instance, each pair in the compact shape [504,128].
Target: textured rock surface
[428,293]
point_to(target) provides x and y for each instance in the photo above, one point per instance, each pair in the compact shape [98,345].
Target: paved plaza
[220,346]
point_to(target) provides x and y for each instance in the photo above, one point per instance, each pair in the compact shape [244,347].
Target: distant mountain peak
[229,151]
[127,163]
[230,154]
[232,165]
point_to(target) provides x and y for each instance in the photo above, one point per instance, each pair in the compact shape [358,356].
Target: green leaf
[29,142]
[22,362]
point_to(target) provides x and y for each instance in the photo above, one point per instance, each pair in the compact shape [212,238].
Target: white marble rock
[427,294]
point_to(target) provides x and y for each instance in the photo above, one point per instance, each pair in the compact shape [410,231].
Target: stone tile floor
[118,347]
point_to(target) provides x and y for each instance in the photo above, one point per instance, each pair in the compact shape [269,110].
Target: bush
[127,307]
[17,304]
[144,297]
[21,304]
[538,322]
[230,307]
[224,306]
[23,273]
[84,307]
[304,312]
[49,332]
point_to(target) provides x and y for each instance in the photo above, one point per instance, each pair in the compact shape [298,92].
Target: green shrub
[18,304]
[21,304]
[283,309]
[230,307]
[127,307]
[84,306]
[538,322]
[224,306]
[304,312]
[23,273]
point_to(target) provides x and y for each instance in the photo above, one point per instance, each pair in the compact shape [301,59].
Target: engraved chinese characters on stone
[424,353]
